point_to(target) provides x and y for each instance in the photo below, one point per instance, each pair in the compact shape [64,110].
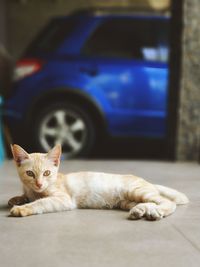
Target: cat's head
[37,171]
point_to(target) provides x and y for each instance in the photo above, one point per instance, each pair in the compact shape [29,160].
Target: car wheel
[66,124]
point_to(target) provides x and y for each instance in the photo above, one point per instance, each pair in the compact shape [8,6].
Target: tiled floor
[84,238]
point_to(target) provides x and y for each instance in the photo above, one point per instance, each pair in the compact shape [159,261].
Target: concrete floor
[102,237]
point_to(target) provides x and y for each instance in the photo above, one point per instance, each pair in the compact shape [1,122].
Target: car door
[127,59]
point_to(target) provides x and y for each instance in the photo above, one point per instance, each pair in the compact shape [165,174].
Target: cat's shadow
[4,207]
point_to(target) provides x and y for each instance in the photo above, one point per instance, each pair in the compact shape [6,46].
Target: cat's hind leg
[126,204]
[153,208]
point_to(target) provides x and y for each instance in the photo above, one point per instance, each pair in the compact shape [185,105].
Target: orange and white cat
[46,190]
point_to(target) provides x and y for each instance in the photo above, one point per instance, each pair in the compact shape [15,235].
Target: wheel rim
[63,127]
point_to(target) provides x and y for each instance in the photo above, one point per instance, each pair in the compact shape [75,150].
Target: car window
[55,32]
[141,39]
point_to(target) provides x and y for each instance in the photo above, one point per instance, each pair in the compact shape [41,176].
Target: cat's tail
[172,194]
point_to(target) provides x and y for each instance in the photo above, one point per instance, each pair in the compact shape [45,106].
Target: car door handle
[92,71]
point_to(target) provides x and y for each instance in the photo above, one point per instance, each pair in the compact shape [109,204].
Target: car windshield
[52,35]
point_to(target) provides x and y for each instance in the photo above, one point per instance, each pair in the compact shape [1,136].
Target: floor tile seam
[186,238]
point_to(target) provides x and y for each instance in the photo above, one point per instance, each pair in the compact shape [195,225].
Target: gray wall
[26,17]
[3,22]
[188,137]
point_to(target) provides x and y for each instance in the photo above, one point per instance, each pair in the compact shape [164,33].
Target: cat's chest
[32,196]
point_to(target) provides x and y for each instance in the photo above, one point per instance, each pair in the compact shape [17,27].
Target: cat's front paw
[19,200]
[21,211]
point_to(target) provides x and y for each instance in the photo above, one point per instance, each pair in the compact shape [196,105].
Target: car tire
[65,123]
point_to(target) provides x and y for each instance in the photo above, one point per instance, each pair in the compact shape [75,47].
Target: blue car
[90,74]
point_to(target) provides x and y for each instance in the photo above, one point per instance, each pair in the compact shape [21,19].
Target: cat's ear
[54,154]
[19,154]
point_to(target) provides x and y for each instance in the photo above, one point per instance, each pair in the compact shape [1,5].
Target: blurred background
[106,79]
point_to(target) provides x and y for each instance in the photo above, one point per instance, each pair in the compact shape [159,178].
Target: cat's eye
[30,173]
[47,173]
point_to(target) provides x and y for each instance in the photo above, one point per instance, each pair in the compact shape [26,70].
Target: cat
[46,190]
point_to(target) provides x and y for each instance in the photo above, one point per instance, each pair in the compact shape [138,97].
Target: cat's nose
[38,184]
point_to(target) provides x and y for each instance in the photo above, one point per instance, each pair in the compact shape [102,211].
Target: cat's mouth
[39,188]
